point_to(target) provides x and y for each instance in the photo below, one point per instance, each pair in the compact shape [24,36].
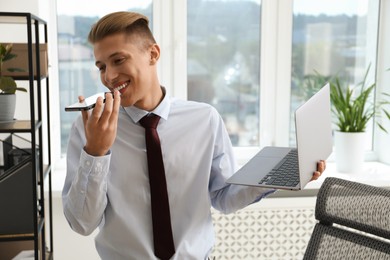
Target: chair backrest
[354,222]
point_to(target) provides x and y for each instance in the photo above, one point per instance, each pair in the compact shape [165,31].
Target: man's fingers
[97,110]
[85,115]
[316,175]
[115,108]
[321,166]
[107,108]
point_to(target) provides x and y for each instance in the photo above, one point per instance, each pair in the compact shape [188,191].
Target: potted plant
[8,86]
[353,109]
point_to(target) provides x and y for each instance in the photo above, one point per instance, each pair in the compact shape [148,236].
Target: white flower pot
[349,151]
[7,107]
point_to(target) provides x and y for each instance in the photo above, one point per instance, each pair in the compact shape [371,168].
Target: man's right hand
[100,124]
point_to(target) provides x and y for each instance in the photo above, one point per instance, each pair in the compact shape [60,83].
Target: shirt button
[88,163]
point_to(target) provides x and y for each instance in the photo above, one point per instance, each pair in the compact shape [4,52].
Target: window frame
[276,24]
[170,30]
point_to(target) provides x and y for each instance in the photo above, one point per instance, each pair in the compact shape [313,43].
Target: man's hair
[129,23]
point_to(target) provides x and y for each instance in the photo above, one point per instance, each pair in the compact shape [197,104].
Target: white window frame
[169,23]
[170,29]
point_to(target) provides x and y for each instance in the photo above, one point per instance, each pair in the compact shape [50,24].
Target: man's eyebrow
[112,55]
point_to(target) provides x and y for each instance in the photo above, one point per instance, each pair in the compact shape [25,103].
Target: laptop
[294,167]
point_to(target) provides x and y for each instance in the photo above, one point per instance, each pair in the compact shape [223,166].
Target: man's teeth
[121,86]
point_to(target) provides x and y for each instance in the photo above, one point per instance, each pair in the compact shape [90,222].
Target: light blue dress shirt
[112,191]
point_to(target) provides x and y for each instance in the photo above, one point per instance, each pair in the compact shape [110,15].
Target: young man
[107,183]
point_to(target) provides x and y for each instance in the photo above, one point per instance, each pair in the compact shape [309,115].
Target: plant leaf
[7,85]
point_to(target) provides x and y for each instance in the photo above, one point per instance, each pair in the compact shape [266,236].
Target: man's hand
[100,125]
[321,166]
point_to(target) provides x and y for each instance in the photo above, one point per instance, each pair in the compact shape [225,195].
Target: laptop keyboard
[286,173]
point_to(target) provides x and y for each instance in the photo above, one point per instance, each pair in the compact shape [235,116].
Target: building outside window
[223,66]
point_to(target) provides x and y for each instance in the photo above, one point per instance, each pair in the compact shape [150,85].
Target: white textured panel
[263,233]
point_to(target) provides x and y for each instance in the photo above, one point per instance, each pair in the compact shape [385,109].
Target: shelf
[42,77]
[28,254]
[18,126]
[25,195]
[18,18]
[16,237]
[23,236]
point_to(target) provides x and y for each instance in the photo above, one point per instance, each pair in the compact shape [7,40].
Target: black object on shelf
[17,212]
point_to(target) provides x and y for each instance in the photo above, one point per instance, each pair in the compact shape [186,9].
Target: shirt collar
[161,110]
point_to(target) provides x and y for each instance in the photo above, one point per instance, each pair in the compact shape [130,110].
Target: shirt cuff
[263,195]
[94,165]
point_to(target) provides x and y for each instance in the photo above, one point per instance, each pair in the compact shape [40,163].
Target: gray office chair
[354,222]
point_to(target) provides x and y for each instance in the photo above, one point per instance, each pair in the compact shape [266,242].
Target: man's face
[126,66]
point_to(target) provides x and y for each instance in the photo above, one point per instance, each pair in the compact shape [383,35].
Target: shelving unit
[25,178]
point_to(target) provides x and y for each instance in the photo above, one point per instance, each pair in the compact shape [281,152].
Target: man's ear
[154,54]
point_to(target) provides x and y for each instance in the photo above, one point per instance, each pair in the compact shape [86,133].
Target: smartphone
[87,104]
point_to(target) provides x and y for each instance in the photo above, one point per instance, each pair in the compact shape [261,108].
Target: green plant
[7,84]
[353,107]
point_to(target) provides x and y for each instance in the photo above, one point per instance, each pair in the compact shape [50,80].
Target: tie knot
[150,121]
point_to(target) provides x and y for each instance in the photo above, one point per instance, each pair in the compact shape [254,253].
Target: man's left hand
[321,165]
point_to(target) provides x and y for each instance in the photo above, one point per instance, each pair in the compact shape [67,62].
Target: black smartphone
[87,104]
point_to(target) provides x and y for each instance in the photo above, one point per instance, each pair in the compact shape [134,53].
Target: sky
[97,7]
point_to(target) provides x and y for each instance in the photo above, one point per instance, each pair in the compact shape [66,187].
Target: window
[248,58]
[78,74]
[332,38]
[223,63]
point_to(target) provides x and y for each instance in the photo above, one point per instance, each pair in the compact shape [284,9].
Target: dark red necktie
[164,247]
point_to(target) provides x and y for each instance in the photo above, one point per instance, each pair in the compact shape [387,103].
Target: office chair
[354,222]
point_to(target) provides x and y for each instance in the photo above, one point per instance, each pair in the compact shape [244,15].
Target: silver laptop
[292,168]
